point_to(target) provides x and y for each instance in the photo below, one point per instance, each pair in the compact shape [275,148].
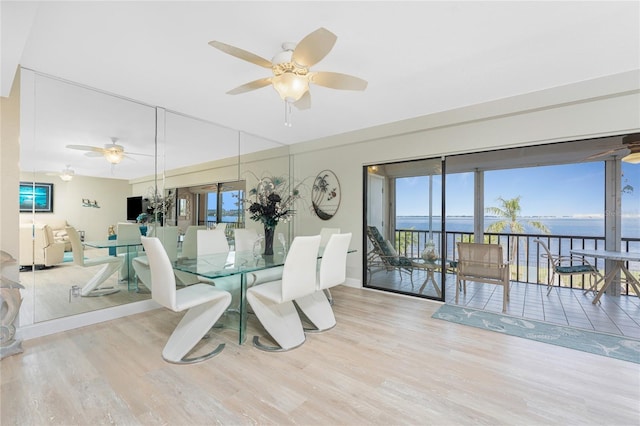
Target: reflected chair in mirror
[204,304]
[571,265]
[482,263]
[168,236]
[333,272]
[272,302]
[189,250]
[127,232]
[110,265]
[384,255]
[190,242]
[38,246]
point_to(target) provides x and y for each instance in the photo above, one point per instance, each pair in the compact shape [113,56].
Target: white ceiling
[418,57]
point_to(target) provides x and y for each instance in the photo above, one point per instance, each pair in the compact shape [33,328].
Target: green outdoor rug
[611,345]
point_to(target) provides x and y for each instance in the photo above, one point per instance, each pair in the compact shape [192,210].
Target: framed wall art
[36,197]
[325,195]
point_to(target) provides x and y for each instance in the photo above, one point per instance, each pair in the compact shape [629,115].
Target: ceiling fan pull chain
[287,113]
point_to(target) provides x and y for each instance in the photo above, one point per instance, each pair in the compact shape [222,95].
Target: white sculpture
[10,301]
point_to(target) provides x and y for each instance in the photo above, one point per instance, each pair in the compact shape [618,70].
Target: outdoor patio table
[430,266]
[619,258]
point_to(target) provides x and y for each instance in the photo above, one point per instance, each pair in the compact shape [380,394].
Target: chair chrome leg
[316,330]
[327,293]
[201,358]
[103,291]
[266,348]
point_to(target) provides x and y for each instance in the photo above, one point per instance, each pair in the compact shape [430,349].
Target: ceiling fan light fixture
[290,86]
[633,158]
[114,153]
[67,174]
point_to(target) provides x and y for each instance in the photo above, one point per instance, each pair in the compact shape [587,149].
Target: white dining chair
[204,304]
[211,242]
[325,234]
[245,239]
[272,302]
[222,226]
[333,272]
[129,232]
[168,236]
[214,241]
[110,265]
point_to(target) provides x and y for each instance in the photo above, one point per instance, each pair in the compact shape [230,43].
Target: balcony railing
[528,266]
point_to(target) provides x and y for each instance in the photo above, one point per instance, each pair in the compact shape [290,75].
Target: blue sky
[566,190]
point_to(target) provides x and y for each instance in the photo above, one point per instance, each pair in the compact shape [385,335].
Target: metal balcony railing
[528,266]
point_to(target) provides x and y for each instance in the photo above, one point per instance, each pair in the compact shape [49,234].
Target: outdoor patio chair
[568,265]
[385,255]
[482,263]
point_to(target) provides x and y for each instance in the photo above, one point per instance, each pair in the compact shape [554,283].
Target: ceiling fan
[631,143]
[66,174]
[291,74]
[113,152]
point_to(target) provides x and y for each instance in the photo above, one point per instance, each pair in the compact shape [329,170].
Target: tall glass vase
[268,240]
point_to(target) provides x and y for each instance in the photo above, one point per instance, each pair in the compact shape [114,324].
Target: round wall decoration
[326,194]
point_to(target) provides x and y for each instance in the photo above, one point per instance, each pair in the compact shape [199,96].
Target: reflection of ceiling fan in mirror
[291,74]
[630,143]
[66,174]
[113,152]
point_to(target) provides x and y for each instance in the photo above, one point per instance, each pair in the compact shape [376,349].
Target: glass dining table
[229,264]
[131,246]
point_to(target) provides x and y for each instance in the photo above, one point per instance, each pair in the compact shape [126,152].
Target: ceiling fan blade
[304,102]
[314,47]
[139,153]
[605,153]
[94,154]
[253,85]
[86,148]
[335,80]
[242,54]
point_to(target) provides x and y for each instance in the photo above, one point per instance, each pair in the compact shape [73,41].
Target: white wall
[111,195]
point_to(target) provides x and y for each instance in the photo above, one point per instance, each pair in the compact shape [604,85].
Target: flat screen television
[134,207]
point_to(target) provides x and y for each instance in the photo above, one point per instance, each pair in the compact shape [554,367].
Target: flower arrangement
[268,203]
[271,202]
[158,208]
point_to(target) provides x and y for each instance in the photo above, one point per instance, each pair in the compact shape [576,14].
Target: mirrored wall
[66,130]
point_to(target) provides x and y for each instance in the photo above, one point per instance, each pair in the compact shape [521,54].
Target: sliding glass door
[406,250]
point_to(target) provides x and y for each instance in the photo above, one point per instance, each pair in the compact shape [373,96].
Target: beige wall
[9,180]
[111,195]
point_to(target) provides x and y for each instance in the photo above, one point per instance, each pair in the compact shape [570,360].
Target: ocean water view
[570,226]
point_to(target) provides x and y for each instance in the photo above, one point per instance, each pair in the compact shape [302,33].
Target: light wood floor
[564,306]
[387,362]
[46,293]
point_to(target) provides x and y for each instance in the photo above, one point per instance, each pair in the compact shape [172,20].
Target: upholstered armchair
[38,246]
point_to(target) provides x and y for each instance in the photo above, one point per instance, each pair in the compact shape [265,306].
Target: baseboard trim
[59,325]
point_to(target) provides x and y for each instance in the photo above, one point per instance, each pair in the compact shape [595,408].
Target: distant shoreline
[526,217]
